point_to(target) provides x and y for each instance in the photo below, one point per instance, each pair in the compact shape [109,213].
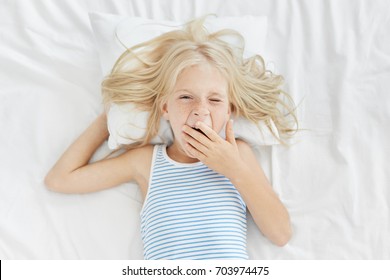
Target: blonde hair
[146,74]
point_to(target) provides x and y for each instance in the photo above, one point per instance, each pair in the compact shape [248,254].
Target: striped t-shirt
[191,212]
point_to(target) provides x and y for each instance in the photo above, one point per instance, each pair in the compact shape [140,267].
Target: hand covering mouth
[193,119]
[197,129]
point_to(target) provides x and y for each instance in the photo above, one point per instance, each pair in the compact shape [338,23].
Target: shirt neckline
[166,156]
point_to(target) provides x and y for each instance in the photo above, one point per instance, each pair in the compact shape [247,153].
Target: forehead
[202,78]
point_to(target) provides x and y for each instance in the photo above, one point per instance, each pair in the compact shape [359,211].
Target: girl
[197,189]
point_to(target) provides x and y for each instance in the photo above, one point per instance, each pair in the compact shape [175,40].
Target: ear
[230,111]
[164,111]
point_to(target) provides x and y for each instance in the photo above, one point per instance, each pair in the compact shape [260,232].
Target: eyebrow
[187,90]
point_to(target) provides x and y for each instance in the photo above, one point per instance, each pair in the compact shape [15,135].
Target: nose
[199,112]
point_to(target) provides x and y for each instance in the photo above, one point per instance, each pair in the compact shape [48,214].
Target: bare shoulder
[247,154]
[140,160]
[244,148]
[140,153]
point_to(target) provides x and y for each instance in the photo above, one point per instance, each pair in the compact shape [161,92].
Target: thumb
[230,132]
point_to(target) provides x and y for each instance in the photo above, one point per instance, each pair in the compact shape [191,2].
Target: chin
[184,150]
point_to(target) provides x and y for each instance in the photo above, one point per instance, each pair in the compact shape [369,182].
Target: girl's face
[200,94]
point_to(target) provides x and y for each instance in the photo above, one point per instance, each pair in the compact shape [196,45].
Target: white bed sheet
[334,179]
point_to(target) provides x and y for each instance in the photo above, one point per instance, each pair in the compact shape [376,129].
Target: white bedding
[334,179]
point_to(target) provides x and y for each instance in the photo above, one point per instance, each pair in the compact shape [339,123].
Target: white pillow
[125,123]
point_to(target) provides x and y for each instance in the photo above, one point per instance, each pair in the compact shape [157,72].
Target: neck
[178,155]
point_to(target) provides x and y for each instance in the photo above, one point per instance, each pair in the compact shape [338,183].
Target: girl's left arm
[268,212]
[236,160]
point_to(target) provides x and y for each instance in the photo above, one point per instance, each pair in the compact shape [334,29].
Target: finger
[208,131]
[194,152]
[197,135]
[195,143]
[230,132]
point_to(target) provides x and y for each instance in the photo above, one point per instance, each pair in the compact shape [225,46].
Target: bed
[334,178]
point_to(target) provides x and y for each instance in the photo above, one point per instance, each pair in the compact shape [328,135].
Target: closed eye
[185,97]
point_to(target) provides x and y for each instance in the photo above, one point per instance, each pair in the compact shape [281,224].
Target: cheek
[177,118]
[219,119]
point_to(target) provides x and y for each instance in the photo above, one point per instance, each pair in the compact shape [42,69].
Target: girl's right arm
[73,174]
